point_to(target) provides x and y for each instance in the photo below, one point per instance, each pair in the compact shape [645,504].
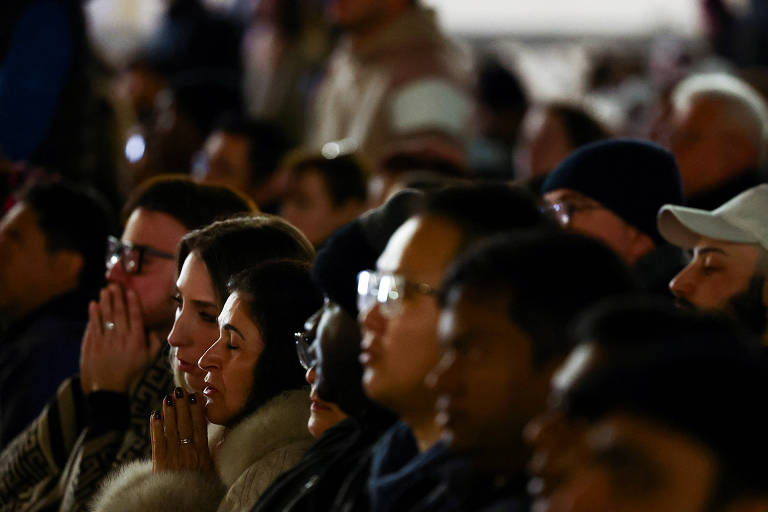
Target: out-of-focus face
[546,141]
[399,351]
[27,268]
[488,387]
[697,141]
[230,362]
[590,218]
[356,14]
[556,439]
[154,284]
[225,161]
[631,464]
[196,326]
[308,206]
[718,271]
[323,414]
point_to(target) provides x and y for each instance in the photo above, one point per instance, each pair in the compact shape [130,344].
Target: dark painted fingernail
[156,415]
[179,392]
[192,398]
[168,401]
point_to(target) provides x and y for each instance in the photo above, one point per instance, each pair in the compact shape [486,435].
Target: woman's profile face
[195,327]
[229,363]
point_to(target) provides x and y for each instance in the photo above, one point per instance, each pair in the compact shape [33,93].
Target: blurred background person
[550,133]
[52,252]
[394,76]
[323,194]
[718,133]
[245,155]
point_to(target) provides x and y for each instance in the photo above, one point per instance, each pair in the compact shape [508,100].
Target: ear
[67,264]
[641,244]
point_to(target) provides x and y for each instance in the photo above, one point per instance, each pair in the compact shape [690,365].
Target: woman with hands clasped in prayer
[253,389]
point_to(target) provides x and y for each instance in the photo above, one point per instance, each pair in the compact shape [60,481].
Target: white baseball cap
[742,220]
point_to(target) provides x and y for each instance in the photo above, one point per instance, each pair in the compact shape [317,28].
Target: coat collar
[279,422]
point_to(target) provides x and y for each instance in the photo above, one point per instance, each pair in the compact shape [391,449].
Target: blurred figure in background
[52,252]
[183,115]
[718,133]
[285,49]
[501,105]
[245,155]
[550,133]
[323,194]
[394,76]
[415,167]
[54,112]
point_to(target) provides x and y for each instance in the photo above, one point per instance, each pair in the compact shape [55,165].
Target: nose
[682,285]
[117,274]
[176,336]
[372,319]
[311,376]
[211,359]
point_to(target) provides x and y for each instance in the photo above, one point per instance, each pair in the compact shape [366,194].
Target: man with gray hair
[718,134]
[730,256]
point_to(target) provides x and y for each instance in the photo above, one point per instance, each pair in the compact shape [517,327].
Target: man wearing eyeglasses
[99,420]
[611,190]
[399,313]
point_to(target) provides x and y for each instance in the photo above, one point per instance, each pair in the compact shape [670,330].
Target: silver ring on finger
[109,325]
[186,440]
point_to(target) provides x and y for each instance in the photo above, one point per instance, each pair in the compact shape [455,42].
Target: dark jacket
[654,271]
[315,482]
[38,353]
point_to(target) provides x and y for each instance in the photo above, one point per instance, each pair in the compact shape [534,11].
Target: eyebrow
[709,250]
[203,303]
[230,327]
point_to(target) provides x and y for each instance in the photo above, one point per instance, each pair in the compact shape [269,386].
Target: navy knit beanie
[632,178]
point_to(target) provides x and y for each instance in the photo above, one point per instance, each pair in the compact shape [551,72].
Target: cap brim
[683,226]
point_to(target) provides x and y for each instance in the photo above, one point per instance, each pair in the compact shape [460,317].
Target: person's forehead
[565,195]
[707,246]
[656,439]
[153,229]
[421,248]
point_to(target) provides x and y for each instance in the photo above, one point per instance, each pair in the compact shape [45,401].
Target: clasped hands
[115,348]
[179,434]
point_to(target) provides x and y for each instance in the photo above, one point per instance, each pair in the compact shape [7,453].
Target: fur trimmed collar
[279,422]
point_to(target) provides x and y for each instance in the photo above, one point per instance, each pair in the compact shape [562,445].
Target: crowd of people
[354,269]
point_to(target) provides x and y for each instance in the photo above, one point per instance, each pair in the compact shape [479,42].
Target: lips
[186,366]
[368,354]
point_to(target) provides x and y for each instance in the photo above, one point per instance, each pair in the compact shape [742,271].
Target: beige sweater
[253,454]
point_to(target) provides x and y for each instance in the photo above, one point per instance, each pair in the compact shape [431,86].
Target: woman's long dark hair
[280,296]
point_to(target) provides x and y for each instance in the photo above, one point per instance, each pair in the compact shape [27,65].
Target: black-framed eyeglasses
[388,290]
[131,255]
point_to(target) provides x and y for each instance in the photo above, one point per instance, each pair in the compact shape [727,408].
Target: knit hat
[632,178]
[741,220]
[356,246]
